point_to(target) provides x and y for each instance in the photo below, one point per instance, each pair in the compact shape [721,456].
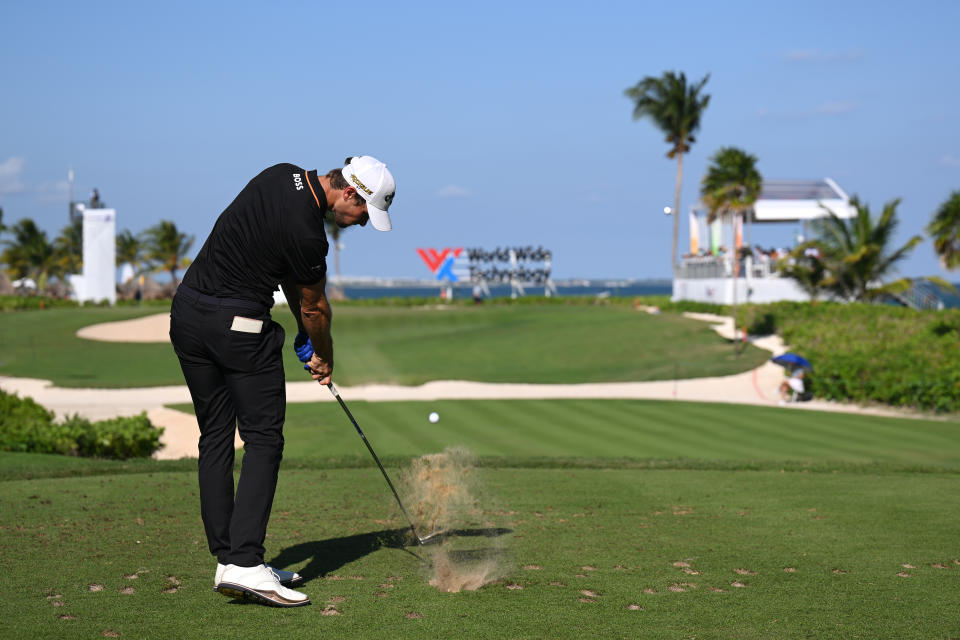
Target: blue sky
[505,124]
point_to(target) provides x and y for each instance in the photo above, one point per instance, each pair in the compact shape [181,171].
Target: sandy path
[756,387]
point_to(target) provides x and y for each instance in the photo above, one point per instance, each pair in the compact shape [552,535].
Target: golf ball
[434,416]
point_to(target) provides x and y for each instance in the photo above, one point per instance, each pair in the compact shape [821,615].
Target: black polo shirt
[272,231]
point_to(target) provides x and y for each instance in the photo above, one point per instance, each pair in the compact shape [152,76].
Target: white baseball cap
[375,184]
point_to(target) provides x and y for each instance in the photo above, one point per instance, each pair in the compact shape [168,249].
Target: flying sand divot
[440,490]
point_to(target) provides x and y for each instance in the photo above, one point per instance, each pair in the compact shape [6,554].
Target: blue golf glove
[303,347]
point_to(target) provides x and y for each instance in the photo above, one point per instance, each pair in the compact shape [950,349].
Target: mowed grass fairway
[626,519]
[600,553]
[552,343]
[615,518]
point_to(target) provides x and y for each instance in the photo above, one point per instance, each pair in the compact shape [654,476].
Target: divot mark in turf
[634,607]
[337,599]
[676,588]
[840,572]
[904,574]
[57,603]
[907,565]
[173,585]
[718,590]
[580,575]
[738,584]
[745,572]
[131,576]
[589,593]
[94,587]
[55,596]
[413,615]
[66,616]
[330,610]
[532,567]
[128,591]
[681,564]
[514,587]
[588,568]
[586,600]
[109,633]
[557,584]
[789,570]
[650,592]
[939,565]
[692,572]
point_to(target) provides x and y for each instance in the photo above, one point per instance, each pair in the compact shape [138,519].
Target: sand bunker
[440,491]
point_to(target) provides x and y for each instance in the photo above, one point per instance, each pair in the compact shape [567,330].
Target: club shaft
[376,459]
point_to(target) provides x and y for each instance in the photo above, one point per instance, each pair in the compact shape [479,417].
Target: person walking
[230,349]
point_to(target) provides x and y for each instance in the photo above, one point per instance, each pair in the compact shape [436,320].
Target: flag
[715,230]
[694,234]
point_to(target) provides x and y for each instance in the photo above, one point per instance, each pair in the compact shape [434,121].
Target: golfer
[230,349]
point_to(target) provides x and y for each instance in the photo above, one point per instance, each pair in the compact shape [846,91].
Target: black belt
[192,295]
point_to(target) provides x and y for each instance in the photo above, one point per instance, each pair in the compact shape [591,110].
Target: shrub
[27,427]
[871,353]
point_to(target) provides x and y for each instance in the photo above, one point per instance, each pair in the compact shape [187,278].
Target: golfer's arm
[315,317]
[292,293]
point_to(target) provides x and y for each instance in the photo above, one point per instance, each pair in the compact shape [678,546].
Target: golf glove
[303,347]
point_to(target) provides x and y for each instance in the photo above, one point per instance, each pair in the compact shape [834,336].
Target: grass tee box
[599,553]
[409,346]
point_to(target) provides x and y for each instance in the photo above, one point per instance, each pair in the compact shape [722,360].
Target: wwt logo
[441,263]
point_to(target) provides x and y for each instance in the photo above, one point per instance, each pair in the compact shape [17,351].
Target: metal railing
[722,267]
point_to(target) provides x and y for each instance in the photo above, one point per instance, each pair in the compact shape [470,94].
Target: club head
[432,538]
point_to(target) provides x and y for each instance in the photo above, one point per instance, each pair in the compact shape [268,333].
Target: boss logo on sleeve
[297,182]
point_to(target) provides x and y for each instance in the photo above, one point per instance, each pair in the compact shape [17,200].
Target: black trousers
[235,377]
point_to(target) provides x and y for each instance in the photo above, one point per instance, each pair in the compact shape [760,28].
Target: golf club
[422,540]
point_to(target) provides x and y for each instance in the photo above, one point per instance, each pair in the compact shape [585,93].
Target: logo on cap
[360,185]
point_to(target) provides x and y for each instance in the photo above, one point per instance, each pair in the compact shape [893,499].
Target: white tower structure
[99,278]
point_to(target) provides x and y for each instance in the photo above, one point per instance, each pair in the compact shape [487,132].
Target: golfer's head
[375,185]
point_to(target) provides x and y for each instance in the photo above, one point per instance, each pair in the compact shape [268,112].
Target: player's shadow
[326,556]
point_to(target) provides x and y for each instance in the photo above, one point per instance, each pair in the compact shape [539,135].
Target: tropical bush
[27,427]
[870,353]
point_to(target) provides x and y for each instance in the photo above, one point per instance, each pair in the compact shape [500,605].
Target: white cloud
[11,182]
[10,172]
[836,107]
[949,160]
[452,191]
[824,109]
[819,55]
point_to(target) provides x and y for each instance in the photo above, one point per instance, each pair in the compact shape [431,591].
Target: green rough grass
[524,343]
[612,532]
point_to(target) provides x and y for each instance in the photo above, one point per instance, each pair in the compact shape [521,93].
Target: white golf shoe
[286,578]
[259,583]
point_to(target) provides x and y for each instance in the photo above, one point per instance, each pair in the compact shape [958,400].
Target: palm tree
[166,248]
[731,187]
[68,249]
[675,109]
[732,183]
[29,253]
[130,250]
[805,267]
[856,252]
[945,229]
[334,231]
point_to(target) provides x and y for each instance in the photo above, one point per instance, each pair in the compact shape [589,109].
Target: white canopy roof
[793,200]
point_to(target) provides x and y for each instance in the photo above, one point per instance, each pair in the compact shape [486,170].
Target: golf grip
[356,426]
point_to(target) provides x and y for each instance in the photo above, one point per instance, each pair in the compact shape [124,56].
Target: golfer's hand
[320,369]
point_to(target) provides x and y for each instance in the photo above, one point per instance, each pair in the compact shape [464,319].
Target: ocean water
[595,288]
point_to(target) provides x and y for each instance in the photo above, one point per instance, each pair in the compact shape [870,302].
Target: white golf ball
[434,416]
